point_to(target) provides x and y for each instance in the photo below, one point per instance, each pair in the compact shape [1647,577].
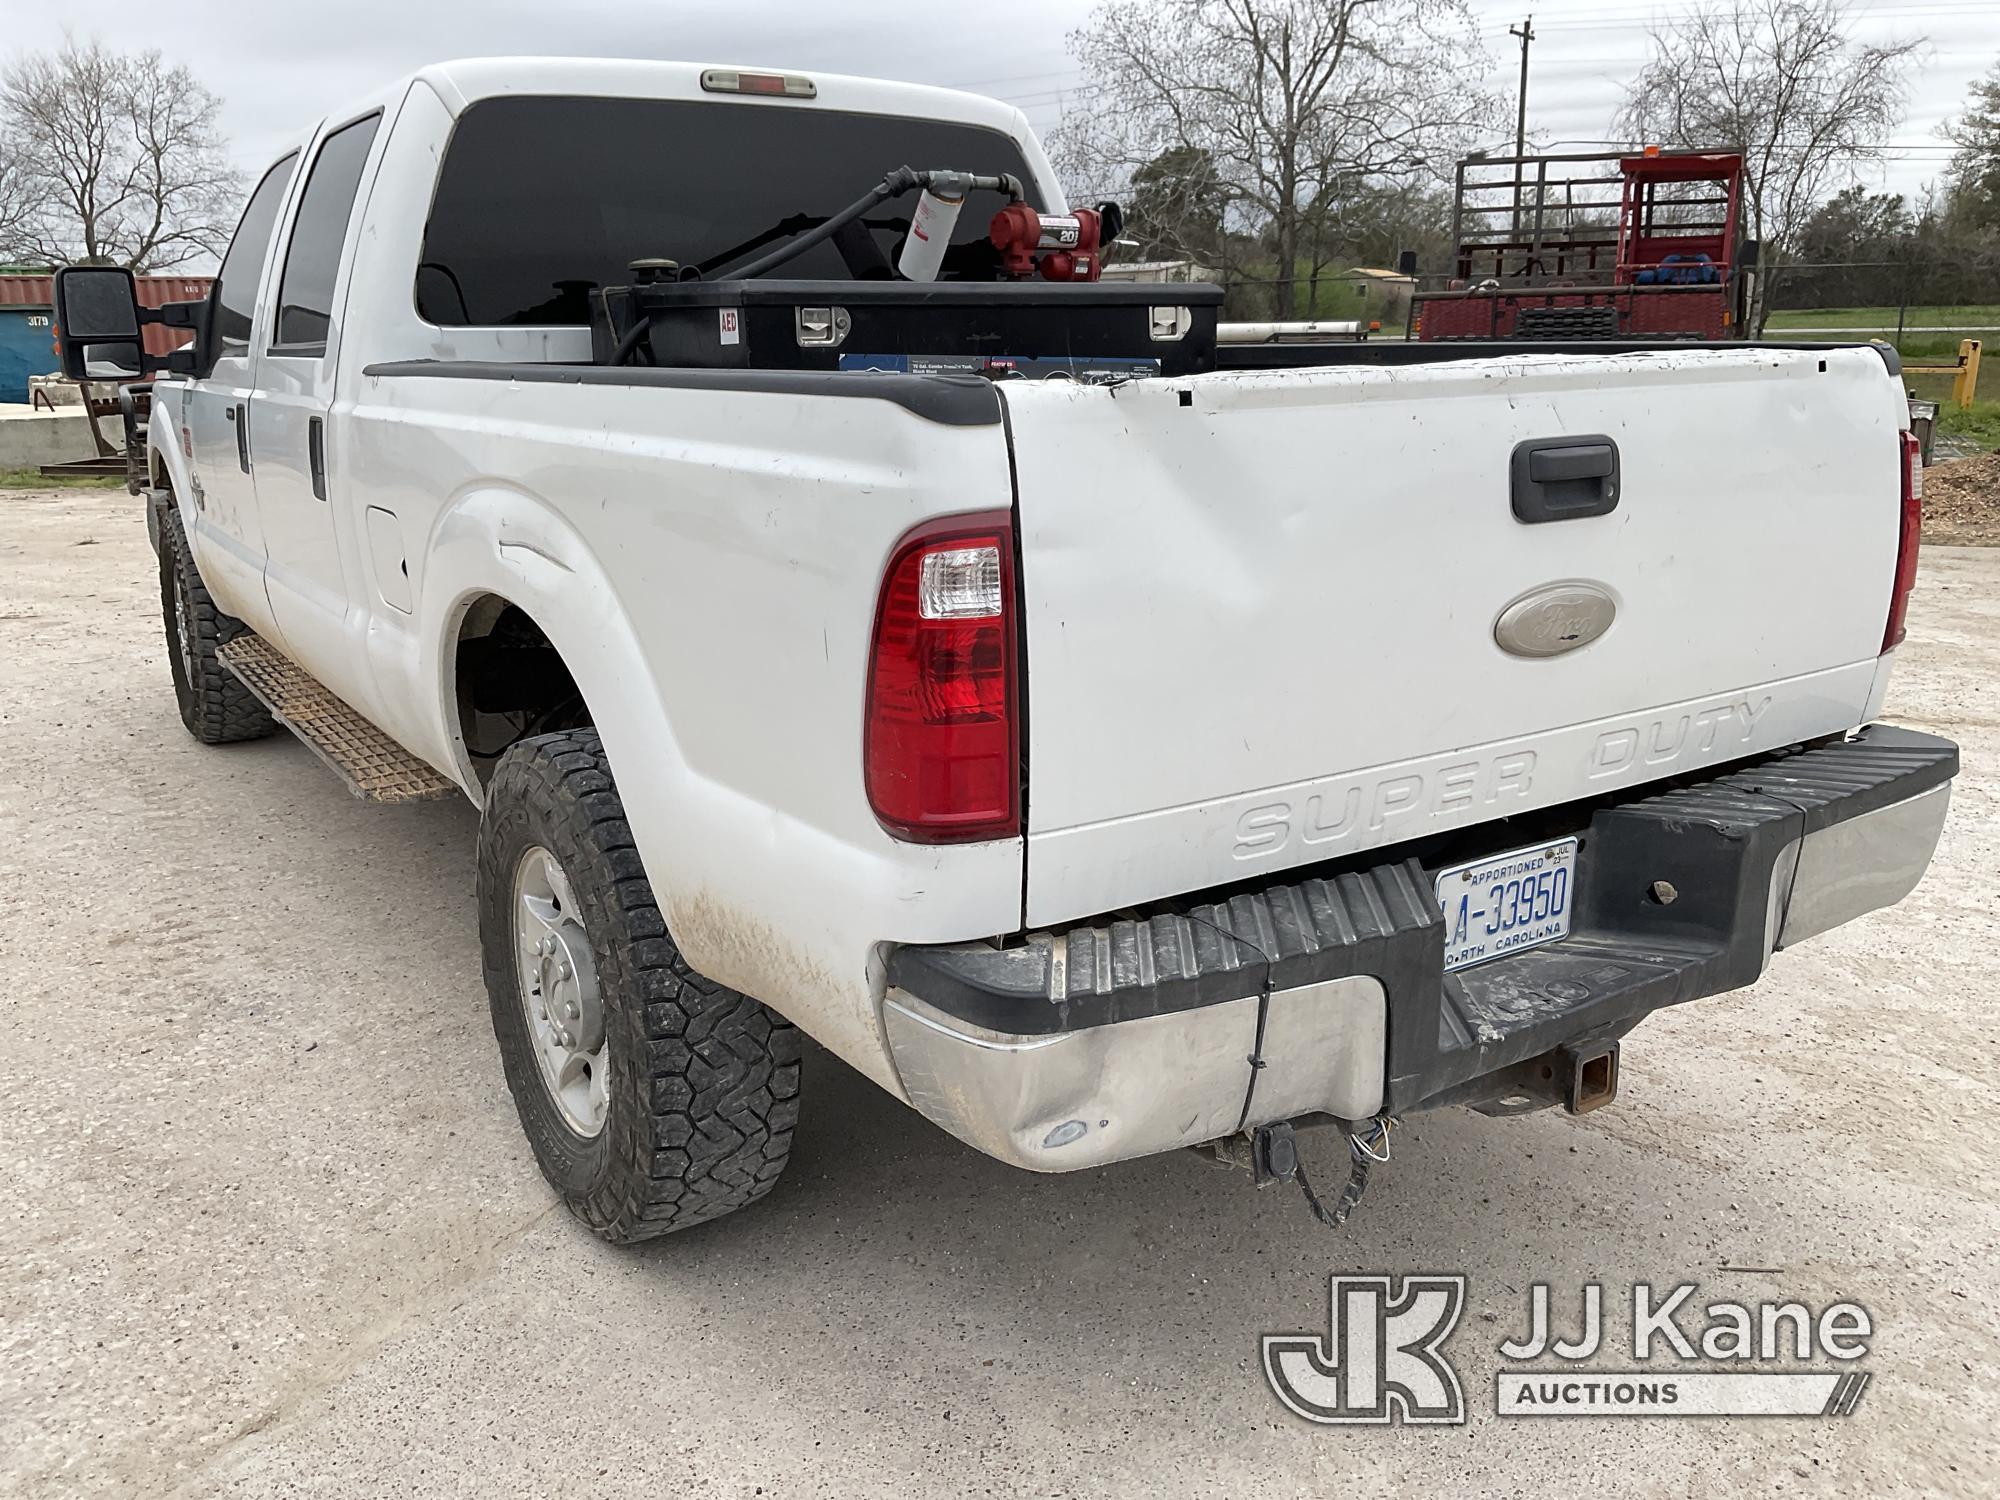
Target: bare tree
[118,157]
[1285,103]
[1785,82]
[1974,176]
[14,202]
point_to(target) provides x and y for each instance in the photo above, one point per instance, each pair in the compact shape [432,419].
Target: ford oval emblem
[1555,618]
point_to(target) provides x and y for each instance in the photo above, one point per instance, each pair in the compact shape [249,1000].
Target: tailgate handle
[1562,479]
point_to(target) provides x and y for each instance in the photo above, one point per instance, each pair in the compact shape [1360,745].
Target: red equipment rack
[1604,245]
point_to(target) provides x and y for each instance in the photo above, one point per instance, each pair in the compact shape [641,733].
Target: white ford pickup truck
[1105,739]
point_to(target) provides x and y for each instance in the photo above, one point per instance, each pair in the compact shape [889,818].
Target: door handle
[316,455]
[239,416]
[1563,479]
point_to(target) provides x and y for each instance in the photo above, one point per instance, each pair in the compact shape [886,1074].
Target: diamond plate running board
[375,767]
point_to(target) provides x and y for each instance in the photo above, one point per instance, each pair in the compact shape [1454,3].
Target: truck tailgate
[1261,609]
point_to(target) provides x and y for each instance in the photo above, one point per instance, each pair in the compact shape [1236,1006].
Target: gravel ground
[268,1227]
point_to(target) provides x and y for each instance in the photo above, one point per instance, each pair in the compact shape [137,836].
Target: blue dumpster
[26,348]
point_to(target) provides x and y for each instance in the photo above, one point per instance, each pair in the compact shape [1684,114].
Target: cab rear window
[541,200]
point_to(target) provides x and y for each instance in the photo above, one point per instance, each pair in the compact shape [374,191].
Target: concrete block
[29,439]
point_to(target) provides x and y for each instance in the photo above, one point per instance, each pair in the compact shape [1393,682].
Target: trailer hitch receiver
[1592,1075]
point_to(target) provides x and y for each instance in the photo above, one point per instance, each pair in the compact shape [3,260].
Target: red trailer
[1611,246]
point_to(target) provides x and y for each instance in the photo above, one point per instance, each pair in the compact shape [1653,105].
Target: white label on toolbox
[728,316]
[1517,900]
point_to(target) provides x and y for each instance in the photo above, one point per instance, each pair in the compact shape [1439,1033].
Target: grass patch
[1933,348]
[1978,424]
[1346,299]
[1961,315]
[35,479]
[1335,298]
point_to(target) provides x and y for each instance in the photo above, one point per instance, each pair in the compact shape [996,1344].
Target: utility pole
[1526,32]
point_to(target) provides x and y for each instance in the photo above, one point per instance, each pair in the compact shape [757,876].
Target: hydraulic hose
[899,181]
[628,344]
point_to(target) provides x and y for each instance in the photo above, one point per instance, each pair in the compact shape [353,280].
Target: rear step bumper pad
[1128,1036]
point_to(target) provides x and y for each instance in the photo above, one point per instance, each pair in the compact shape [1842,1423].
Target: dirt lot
[267,1225]
[1962,502]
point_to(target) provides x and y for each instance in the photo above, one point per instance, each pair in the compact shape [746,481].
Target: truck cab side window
[243,267]
[312,259]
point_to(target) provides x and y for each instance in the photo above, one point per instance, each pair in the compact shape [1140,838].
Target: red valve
[1063,246]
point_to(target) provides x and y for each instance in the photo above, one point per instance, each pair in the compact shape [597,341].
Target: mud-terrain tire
[216,708]
[693,1116]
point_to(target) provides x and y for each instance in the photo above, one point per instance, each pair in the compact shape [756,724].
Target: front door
[209,418]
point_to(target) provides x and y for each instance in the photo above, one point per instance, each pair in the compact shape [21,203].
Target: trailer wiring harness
[1274,1149]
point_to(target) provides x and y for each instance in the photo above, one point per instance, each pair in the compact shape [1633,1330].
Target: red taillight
[941,749]
[1907,539]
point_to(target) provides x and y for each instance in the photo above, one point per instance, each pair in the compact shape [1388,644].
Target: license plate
[1510,902]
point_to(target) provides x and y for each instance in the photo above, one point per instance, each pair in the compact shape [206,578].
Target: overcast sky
[276,74]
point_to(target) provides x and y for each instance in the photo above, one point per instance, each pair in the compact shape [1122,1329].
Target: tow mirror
[97,319]
[101,326]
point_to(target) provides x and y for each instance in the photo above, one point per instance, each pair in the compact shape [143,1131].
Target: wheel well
[509,682]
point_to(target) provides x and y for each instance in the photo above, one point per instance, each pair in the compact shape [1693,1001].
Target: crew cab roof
[463,82]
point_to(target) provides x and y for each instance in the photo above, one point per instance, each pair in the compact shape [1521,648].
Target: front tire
[653,1098]
[216,708]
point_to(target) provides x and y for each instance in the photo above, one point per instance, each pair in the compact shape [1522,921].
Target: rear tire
[216,708]
[683,1108]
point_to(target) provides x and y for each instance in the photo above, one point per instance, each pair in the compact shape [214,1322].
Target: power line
[979,83]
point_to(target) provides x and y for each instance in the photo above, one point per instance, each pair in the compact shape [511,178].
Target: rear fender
[754,898]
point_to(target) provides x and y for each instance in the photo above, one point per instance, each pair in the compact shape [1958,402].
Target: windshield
[540,200]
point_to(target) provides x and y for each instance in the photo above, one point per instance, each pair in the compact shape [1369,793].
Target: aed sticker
[729,315]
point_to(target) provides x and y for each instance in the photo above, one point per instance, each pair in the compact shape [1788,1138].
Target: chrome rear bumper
[1127,1037]
[1847,870]
[1073,1099]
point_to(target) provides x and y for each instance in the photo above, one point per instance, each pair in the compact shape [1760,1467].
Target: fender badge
[1554,618]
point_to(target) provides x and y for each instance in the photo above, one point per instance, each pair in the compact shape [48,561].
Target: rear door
[295,387]
[1266,613]
[214,430]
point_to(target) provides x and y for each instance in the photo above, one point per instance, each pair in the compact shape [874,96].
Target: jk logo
[1380,1359]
